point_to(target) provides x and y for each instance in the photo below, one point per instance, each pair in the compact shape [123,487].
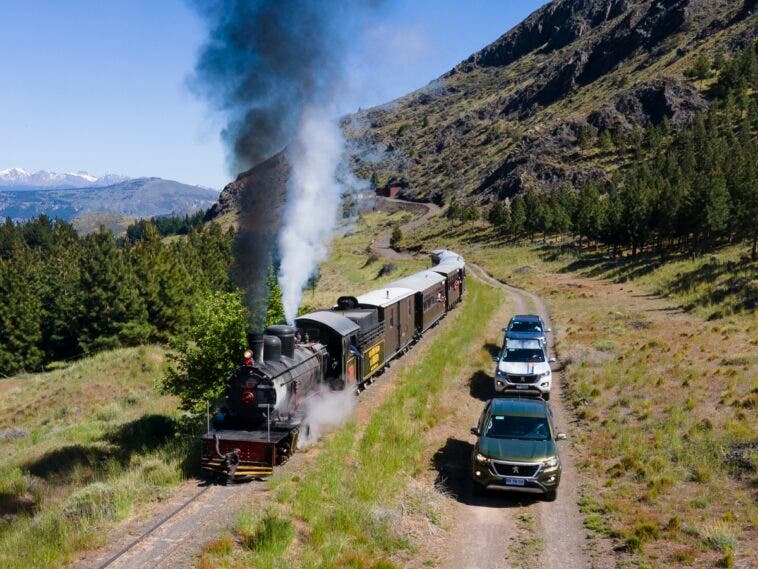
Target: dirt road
[501,529]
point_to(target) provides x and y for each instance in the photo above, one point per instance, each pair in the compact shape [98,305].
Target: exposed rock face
[650,102]
[505,119]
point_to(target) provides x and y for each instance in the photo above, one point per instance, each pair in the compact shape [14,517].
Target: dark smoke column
[263,64]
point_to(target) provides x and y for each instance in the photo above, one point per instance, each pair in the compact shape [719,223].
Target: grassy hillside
[82,446]
[666,399]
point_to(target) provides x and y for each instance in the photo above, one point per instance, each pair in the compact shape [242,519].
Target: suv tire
[551,495]
[546,396]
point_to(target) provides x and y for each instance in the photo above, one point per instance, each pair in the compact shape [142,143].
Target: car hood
[523,368]
[514,450]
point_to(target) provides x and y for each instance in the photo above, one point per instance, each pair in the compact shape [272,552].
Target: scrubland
[660,358]
[82,445]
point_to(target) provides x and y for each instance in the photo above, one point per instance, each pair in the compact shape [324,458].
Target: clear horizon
[102,87]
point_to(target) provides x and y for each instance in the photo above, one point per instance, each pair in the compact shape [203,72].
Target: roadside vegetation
[666,399]
[82,447]
[343,510]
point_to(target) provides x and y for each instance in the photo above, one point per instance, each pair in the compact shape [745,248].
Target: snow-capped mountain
[19,178]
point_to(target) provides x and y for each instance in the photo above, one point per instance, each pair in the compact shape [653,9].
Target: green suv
[516,449]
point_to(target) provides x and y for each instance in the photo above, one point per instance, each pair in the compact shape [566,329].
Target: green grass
[95,440]
[344,504]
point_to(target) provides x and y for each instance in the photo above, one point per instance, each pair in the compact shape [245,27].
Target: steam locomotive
[259,419]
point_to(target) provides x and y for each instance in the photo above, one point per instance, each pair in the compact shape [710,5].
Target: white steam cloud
[313,199]
[325,411]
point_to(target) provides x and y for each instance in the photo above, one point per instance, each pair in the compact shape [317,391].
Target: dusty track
[490,529]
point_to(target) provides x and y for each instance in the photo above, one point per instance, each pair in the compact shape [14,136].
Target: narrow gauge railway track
[114,558]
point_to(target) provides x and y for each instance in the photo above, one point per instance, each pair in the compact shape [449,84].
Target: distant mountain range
[18,179]
[66,196]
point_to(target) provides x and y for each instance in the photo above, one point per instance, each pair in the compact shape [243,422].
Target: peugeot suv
[526,327]
[524,365]
[516,447]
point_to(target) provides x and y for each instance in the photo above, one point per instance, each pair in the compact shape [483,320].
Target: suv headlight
[550,463]
[481,458]
[545,373]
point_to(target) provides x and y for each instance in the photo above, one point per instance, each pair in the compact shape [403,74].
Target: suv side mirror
[561,437]
[475,431]
[551,360]
[495,359]
[549,330]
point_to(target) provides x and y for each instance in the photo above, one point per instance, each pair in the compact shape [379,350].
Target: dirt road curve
[490,529]
[381,245]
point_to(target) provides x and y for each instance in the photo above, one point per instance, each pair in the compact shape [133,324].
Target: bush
[94,502]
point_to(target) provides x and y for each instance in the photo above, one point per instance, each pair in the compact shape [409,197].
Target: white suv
[524,364]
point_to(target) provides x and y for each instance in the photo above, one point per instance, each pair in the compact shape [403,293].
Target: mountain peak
[20,178]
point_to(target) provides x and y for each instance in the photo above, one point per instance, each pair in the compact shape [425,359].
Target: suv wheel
[551,495]
[477,489]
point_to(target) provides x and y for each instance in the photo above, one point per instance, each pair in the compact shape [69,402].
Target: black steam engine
[260,416]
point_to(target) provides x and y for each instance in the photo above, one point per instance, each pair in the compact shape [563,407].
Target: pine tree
[518,216]
[20,311]
[717,204]
[111,312]
[396,237]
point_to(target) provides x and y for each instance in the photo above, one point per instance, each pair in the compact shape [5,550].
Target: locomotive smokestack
[255,340]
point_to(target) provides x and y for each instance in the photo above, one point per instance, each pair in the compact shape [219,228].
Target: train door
[407,321]
[392,328]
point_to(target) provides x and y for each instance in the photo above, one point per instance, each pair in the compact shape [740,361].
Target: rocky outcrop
[650,103]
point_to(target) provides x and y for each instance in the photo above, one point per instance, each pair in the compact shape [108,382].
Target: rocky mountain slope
[140,197]
[508,117]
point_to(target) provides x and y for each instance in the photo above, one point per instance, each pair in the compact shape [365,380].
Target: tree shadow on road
[453,465]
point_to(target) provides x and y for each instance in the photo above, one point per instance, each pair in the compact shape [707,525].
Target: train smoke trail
[273,69]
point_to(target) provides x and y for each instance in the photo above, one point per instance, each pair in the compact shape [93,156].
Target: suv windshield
[523,344]
[524,428]
[519,326]
[522,355]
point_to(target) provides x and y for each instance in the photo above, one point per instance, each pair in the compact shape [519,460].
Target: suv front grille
[523,378]
[511,469]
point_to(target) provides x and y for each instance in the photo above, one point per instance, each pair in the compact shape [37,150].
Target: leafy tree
[216,342]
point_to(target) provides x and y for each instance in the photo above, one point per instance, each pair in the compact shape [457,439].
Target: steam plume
[273,68]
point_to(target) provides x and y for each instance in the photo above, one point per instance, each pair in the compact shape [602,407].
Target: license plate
[514,481]
[522,387]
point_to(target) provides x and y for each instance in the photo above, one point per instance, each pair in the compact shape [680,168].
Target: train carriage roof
[385,296]
[447,260]
[341,325]
[420,281]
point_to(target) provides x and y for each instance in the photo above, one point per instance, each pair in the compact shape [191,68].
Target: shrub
[93,502]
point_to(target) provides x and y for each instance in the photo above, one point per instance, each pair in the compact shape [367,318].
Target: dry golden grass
[666,400]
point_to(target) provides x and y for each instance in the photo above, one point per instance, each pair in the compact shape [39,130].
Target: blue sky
[101,86]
